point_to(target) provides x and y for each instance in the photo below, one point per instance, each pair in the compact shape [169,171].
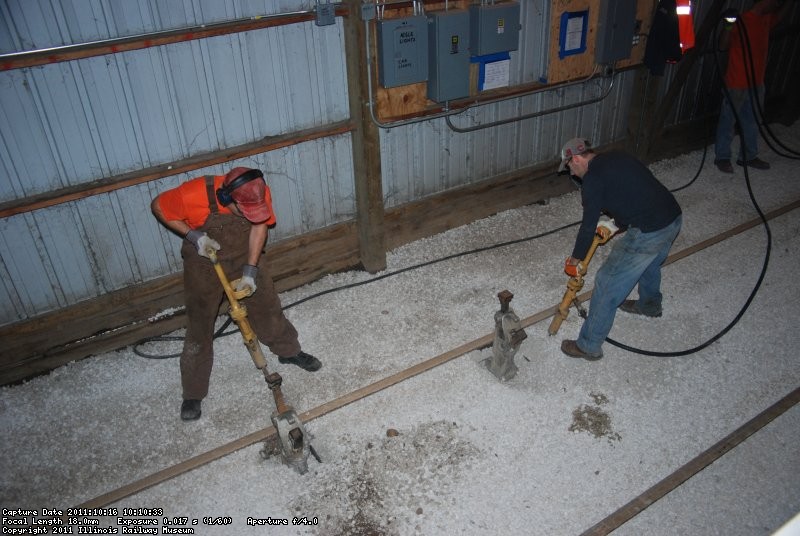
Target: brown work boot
[633,307]
[572,349]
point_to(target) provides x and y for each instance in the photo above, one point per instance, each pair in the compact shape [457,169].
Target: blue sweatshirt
[621,186]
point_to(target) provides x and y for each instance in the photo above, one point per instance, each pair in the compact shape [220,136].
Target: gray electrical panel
[403,51]
[326,14]
[494,28]
[615,31]
[448,60]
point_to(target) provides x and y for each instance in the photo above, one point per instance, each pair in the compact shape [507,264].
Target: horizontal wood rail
[109,184]
[19,60]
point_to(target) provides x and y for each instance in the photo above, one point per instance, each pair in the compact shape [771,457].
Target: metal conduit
[464,130]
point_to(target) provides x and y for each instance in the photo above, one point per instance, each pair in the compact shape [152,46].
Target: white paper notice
[496,74]
[574,34]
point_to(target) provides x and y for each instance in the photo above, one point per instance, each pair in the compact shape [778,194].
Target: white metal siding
[74,122]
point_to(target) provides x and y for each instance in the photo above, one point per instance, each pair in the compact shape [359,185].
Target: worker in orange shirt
[744,82]
[231,214]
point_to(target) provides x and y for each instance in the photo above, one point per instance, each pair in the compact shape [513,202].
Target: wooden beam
[19,60]
[438,213]
[644,97]
[93,326]
[123,317]
[116,182]
[366,148]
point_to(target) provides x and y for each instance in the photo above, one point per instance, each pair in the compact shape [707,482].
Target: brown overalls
[204,293]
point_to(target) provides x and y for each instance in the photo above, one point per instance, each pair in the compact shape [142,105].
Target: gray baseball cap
[571,148]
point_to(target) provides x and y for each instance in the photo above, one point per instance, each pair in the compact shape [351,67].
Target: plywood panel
[583,65]
[403,101]
[577,65]
[407,101]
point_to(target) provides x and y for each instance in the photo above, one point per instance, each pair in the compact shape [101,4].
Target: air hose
[748,61]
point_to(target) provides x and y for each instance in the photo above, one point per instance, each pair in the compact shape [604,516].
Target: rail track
[606,525]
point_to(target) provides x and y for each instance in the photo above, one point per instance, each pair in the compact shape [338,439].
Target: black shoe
[724,166]
[632,307]
[190,410]
[302,360]
[572,349]
[755,163]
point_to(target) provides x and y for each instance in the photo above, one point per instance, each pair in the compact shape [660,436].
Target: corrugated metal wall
[77,121]
[74,122]
[426,158]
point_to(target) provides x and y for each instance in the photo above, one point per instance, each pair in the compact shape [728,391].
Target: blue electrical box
[402,51]
[494,28]
[448,59]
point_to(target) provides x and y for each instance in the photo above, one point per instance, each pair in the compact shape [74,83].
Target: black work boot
[303,360]
[724,166]
[190,410]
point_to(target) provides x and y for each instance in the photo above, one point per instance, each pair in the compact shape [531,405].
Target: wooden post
[644,97]
[366,147]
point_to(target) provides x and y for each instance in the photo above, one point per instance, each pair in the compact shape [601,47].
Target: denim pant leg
[650,282]
[631,256]
[741,101]
[749,125]
[725,131]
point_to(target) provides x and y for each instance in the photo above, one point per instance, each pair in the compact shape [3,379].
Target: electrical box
[448,58]
[402,51]
[494,28]
[615,31]
[326,13]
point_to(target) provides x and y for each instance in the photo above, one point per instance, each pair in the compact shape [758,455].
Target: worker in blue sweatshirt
[620,186]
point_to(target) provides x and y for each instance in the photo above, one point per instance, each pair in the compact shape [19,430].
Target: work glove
[606,227]
[572,267]
[248,279]
[202,242]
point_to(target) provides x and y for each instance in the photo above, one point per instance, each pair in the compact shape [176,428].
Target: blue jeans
[635,258]
[748,127]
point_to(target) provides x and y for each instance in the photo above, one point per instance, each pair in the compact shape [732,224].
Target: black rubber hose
[764,265]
